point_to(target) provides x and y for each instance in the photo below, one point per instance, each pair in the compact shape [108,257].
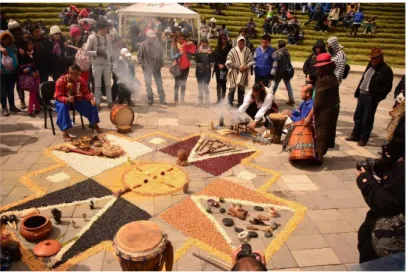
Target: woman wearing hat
[326,106]
[77,41]
[59,61]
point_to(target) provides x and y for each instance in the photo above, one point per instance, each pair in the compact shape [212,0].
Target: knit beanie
[75,31]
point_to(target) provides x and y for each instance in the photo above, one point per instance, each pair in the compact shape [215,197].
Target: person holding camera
[246,260]
[382,184]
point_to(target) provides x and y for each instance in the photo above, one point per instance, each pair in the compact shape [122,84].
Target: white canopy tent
[167,10]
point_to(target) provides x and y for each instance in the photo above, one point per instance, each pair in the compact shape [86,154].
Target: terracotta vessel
[47,248]
[35,227]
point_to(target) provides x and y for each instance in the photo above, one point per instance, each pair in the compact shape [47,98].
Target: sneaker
[32,115]
[5,112]
[15,109]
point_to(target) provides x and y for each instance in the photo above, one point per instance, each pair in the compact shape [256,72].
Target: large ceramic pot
[35,227]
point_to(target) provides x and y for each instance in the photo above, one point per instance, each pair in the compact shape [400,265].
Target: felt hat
[375,52]
[54,29]
[323,59]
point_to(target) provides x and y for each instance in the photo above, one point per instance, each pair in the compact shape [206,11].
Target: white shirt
[263,107]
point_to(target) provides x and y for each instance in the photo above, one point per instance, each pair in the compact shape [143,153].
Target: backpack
[388,235]
[289,69]
[346,71]
[81,59]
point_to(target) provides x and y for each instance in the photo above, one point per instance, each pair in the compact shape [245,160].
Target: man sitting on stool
[258,103]
[72,90]
[305,107]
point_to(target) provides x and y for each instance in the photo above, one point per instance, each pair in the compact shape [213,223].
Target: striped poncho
[234,60]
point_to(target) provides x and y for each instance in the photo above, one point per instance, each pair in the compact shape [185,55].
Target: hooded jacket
[283,59]
[97,42]
[308,67]
[338,57]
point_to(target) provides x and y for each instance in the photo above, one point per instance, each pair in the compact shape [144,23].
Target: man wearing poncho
[239,61]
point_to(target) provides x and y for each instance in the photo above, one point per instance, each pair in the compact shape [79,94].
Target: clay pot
[35,227]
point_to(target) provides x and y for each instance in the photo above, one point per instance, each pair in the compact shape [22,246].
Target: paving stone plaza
[325,199]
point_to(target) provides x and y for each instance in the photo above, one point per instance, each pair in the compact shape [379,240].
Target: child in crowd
[28,78]
[204,59]
[125,72]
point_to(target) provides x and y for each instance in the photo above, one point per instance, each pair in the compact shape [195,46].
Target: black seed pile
[105,228]
[78,192]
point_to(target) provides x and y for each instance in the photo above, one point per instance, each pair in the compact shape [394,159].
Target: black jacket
[42,55]
[220,55]
[308,67]
[384,199]
[203,66]
[380,84]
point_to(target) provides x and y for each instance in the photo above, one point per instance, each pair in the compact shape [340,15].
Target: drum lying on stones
[122,116]
[143,246]
[301,143]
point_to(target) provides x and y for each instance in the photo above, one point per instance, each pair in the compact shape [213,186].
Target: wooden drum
[143,246]
[122,116]
[301,143]
[278,121]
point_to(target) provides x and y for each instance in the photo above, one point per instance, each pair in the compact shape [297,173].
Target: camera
[373,166]
[246,252]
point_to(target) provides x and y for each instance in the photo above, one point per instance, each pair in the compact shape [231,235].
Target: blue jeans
[83,107]
[148,75]
[287,83]
[7,90]
[393,262]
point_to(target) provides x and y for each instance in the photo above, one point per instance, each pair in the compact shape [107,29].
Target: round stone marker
[253,234]
[238,230]
[227,222]
[268,234]
[273,225]
[258,208]
[222,210]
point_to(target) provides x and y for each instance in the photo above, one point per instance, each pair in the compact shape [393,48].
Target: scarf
[30,53]
[57,48]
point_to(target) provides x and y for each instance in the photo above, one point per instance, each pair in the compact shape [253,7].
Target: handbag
[222,74]
[388,235]
[28,82]
[175,70]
